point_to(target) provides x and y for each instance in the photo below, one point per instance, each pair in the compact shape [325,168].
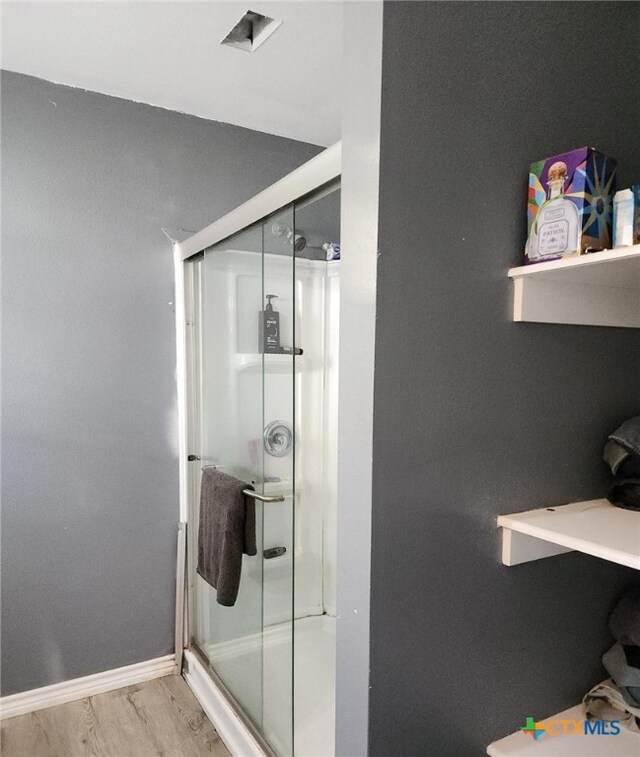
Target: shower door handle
[263,497]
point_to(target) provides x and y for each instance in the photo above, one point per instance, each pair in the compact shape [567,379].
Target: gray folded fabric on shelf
[625,676]
[624,622]
[622,455]
[226,530]
[614,455]
[605,702]
[628,435]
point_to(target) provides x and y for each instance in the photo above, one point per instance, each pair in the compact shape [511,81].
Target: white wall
[359,216]
[331,378]
[231,433]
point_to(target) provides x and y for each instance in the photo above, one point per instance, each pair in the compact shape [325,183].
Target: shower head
[279,229]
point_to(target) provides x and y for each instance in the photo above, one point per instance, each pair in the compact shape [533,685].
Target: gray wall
[475,415]
[90,474]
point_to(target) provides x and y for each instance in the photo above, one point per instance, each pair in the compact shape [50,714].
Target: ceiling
[169,54]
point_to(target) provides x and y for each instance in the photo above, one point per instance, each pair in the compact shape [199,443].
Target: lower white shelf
[520,744]
[595,527]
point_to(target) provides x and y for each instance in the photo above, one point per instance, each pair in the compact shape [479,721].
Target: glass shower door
[245,392]
[279,456]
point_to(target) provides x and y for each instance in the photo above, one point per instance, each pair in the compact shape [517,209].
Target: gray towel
[227,528]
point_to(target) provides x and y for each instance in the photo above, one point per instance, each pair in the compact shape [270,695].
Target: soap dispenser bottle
[269,327]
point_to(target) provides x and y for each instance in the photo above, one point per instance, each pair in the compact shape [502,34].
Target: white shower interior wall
[242,648]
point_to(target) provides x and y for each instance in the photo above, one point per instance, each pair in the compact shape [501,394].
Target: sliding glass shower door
[243,405]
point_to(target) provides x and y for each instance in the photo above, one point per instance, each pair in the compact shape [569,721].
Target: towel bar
[263,497]
[251,493]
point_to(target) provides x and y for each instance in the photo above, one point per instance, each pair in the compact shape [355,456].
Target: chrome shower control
[278,438]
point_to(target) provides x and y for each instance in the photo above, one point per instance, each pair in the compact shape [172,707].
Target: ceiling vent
[251,31]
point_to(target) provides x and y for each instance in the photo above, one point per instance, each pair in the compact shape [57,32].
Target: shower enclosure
[260,401]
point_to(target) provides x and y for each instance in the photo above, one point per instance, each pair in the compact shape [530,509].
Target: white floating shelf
[519,744]
[273,362]
[596,528]
[597,289]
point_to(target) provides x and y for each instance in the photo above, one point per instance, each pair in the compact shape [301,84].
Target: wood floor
[160,717]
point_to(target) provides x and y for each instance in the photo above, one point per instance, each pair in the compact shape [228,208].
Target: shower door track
[239,713]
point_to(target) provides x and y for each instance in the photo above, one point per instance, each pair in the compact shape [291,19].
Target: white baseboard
[79,688]
[233,732]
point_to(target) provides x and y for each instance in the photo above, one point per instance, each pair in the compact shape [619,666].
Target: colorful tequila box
[570,205]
